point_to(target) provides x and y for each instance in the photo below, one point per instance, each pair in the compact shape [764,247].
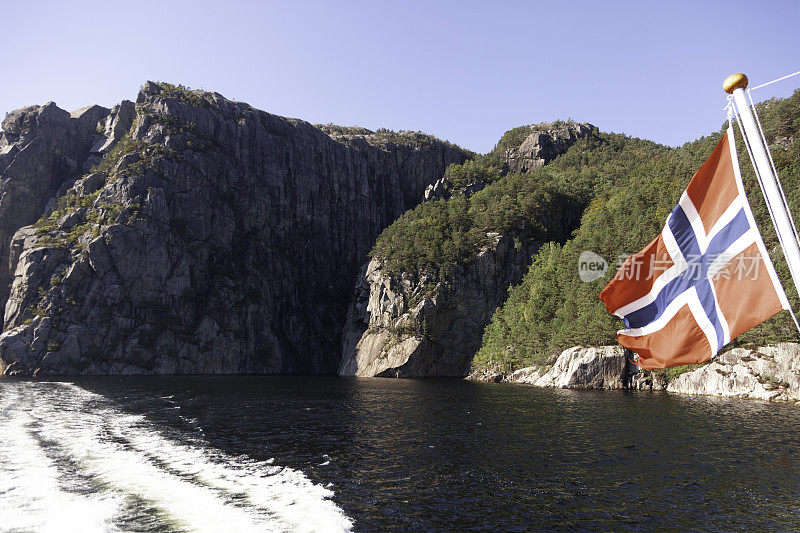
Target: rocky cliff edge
[187,233]
[427,325]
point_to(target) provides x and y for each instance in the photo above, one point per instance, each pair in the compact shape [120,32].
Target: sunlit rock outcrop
[766,373]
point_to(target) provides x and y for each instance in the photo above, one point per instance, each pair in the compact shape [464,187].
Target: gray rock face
[205,237]
[444,189]
[406,327]
[41,149]
[544,143]
[438,190]
[594,367]
[766,373]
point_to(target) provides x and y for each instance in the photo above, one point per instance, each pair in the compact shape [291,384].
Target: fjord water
[332,454]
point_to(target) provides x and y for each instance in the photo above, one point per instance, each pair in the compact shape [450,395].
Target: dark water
[450,455]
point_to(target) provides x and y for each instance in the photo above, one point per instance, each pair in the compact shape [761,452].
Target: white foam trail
[288,495]
[31,498]
[198,489]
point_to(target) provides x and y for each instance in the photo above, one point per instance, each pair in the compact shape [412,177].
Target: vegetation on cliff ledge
[440,234]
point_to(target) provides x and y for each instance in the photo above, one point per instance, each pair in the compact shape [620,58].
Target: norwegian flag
[706,279]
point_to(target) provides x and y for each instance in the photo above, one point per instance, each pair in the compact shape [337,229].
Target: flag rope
[731,111]
[774,81]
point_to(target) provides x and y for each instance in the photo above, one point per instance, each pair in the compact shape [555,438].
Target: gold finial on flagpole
[734,81]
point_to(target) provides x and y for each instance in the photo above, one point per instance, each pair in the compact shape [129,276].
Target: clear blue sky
[465,71]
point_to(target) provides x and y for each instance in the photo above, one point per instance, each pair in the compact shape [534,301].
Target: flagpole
[781,218]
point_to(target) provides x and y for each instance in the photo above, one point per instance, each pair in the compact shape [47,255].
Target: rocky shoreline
[770,373]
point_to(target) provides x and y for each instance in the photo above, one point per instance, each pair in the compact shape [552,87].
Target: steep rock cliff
[428,325]
[200,236]
[41,148]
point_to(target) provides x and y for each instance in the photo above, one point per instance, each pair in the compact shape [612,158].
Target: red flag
[706,279]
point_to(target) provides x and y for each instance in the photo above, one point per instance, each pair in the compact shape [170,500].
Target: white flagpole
[781,218]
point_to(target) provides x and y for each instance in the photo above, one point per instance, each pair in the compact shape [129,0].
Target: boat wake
[71,461]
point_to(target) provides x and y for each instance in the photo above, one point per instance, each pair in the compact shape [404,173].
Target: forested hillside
[627,188]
